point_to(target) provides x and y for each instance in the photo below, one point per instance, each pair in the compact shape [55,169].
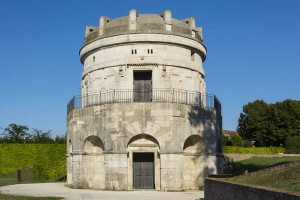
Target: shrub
[232,140]
[48,160]
[236,140]
[292,144]
[253,150]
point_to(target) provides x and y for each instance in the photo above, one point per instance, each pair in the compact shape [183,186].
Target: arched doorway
[93,163]
[143,162]
[194,161]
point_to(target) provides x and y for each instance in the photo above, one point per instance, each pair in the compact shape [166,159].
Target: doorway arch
[143,162]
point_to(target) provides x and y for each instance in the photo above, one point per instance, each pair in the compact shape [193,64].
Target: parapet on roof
[144,24]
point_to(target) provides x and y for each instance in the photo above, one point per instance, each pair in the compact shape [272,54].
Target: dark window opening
[142,86]
[94,58]
[133,51]
[150,51]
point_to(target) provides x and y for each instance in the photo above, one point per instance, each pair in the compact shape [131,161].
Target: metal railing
[156,95]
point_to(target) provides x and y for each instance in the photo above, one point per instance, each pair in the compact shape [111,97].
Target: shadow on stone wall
[206,118]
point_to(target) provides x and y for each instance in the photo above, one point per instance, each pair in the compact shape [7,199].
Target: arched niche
[194,162]
[93,144]
[194,145]
[69,163]
[143,140]
[93,168]
[69,146]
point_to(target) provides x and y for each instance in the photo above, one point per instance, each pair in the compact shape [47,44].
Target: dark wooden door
[142,86]
[143,170]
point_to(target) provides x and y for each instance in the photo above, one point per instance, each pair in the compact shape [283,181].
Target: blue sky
[253,53]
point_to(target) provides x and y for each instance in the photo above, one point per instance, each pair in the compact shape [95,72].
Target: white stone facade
[175,125]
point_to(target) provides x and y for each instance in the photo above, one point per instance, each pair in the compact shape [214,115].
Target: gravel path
[59,190]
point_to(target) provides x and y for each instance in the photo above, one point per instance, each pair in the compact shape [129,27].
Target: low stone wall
[241,156]
[222,190]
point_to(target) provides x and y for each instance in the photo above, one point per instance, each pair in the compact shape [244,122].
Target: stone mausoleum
[143,119]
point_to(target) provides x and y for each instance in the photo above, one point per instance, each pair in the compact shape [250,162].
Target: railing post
[114,96]
[186,97]
[173,96]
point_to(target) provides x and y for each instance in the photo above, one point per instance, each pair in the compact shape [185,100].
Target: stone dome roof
[144,23]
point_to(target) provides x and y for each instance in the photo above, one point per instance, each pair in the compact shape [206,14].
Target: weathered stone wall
[103,139]
[172,66]
[222,190]
[184,136]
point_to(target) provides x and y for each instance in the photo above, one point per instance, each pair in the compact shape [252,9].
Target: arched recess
[143,145]
[93,163]
[142,140]
[69,163]
[194,162]
[93,144]
[194,145]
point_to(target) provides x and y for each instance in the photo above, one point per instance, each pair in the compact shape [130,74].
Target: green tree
[292,144]
[286,117]
[253,123]
[236,140]
[41,137]
[16,133]
[269,124]
[225,139]
[60,139]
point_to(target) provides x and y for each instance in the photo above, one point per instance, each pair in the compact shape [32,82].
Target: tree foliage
[21,134]
[233,140]
[41,137]
[269,124]
[16,133]
[292,144]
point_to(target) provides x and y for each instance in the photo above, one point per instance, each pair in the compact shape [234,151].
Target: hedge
[253,150]
[48,160]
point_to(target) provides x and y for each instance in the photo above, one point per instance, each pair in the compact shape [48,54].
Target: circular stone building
[143,119]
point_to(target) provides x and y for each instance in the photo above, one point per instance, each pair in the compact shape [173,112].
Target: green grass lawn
[11,178]
[12,197]
[258,163]
[26,177]
[287,178]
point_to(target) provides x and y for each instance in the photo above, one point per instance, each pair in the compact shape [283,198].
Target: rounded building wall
[172,67]
[179,135]
[158,59]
